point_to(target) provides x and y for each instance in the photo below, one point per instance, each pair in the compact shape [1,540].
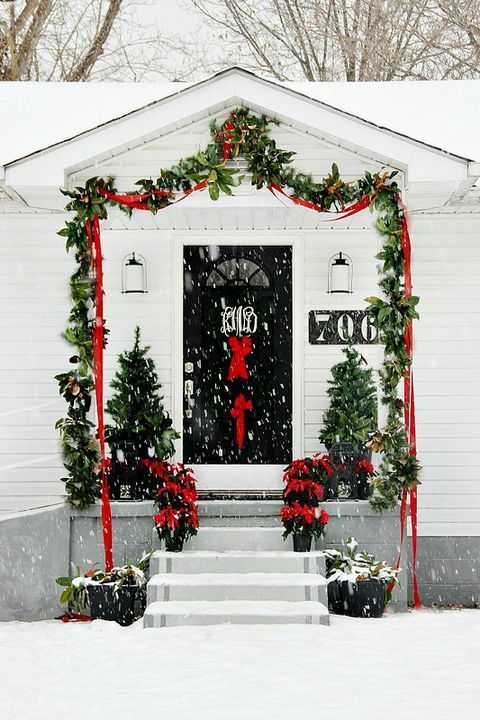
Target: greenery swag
[247,135]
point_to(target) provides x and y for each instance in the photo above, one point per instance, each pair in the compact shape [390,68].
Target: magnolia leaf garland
[248,135]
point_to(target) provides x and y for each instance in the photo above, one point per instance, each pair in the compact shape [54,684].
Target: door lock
[188,367]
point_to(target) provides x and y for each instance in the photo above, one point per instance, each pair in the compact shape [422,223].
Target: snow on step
[247,561]
[167,614]
[239,538]
[237,586]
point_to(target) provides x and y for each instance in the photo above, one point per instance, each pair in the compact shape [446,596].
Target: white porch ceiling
[261,211]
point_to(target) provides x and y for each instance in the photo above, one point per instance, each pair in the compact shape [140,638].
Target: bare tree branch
[345,39]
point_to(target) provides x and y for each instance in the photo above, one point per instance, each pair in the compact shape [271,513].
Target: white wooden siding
[447,369]
[33,291]
[34,298]
[319,247]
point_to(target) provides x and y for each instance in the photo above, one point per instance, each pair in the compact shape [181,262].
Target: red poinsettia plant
[176,500]
[304,482]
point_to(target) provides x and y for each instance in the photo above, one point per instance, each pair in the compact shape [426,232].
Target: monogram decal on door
[239,320]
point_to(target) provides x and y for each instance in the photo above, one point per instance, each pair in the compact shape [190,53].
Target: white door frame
[240,477]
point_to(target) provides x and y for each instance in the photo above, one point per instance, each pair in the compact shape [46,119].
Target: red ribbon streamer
[409,412]
[240,405]
[240,347]
[74,617]
[227,144]
[95,242]
[356,207]
[140,201]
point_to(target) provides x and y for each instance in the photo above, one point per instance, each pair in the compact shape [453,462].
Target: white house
[322,124]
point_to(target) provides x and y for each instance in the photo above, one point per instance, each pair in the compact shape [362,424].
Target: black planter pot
[174,545]
[106,604]
[364,489]
[329,492]
[127,479]
[302,543]
[140,603]
[365,599]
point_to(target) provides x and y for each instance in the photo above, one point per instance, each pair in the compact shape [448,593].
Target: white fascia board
[474,170]
[52,166]
[353,134]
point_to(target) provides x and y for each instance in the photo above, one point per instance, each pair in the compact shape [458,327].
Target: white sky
[170,15]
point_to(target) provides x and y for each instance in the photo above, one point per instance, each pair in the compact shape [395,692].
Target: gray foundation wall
[39,545]
[448,570]
[34,550]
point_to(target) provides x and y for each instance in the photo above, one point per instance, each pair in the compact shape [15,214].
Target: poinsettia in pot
[301,514]
[359,584]
[176,502]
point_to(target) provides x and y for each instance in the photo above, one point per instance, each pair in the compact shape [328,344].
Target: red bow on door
[240,347]
[240,405]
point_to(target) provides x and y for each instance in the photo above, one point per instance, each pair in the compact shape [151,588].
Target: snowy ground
[417,665]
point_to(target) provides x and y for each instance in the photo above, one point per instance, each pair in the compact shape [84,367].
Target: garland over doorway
[247,135]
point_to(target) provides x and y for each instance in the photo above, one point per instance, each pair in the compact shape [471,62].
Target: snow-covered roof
[442,114]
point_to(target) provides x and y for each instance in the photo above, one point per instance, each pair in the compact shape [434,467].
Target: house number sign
[338,327]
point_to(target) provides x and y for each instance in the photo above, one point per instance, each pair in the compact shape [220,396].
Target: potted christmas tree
[140,426]
[352,416]
[301,515]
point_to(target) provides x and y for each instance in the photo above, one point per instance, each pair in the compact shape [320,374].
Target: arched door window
[238,272]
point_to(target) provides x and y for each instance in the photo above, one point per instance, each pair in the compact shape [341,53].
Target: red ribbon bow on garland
[240,347]
[227,143]
[240,405]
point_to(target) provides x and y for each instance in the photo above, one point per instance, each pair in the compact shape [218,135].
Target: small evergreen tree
[352,415]
[138,419]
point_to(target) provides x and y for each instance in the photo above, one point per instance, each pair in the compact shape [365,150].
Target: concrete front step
[239,538]
[243,521]
[250,561]
[253,612]
[237,586]
[239,508]
[240,513]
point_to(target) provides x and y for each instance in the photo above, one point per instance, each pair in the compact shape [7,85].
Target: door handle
[189,390]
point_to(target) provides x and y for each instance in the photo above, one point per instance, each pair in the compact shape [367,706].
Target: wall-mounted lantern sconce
[340,274]
[134,274]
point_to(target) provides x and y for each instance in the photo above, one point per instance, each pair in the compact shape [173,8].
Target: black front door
[237,354]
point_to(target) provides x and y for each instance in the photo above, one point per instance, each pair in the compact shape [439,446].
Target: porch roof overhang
[427,171]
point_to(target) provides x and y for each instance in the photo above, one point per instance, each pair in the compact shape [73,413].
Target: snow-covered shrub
[75,593]
[353,566]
